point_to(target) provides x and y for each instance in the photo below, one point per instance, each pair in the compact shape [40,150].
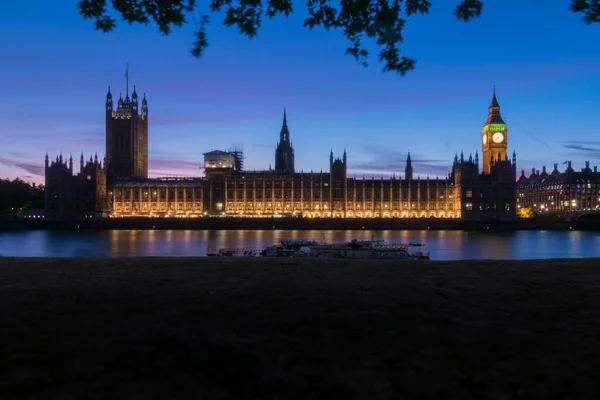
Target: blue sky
[546,66]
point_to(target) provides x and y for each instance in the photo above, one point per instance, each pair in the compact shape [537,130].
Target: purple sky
[546,67]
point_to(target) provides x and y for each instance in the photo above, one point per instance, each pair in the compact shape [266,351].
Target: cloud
[540,141]
[380,160]
[169,167]
[32,169]
[590,149]
[29,168]
[168,164]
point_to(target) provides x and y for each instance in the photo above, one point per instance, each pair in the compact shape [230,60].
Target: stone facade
[126,138]
[228,190]
[558,192]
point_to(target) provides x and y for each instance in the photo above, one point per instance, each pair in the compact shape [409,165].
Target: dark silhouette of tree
[17,194]
[382,20]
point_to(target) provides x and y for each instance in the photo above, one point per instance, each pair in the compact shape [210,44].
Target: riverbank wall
[301,224]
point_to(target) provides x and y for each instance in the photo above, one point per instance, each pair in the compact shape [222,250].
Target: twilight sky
[56,68]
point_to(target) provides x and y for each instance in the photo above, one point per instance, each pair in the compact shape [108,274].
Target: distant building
[74,196]
[560,192]
[228,190]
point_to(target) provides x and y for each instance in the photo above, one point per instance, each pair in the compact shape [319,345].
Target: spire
[494,99]
[494,116]
[127,81]
[408,171]
[109,94]
[284,135]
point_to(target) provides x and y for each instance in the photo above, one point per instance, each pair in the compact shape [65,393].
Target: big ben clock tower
[494,137]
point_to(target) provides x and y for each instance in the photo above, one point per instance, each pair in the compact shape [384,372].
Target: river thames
[442,245]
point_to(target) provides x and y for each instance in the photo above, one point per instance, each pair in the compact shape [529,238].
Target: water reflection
[443,245]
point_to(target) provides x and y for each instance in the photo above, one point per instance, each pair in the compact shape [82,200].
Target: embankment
[303,224]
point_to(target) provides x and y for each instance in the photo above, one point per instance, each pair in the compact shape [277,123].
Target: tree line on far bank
[16,195]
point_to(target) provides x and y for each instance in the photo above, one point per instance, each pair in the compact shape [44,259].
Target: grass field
[188,328]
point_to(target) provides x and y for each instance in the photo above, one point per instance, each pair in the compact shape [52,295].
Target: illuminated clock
[498,137]
[484,139]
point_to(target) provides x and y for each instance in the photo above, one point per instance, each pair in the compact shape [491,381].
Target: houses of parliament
[118,185]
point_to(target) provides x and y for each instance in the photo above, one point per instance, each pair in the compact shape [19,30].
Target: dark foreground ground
[287,329]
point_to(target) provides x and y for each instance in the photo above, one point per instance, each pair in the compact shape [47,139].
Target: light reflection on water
[443,245]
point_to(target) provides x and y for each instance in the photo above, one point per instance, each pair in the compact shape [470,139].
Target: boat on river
[355,249]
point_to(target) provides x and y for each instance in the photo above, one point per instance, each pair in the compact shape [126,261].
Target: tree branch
[379,20]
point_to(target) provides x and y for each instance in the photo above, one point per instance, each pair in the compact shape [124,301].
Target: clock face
[498,137]
[484,139]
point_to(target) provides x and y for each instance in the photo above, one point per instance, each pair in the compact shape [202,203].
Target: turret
[81,163]
[46,161]
[71,163]
[331,160]
[145,107]
[134,99]
[345,163]
[109,102]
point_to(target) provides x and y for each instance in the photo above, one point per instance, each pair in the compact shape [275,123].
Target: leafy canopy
[382,20]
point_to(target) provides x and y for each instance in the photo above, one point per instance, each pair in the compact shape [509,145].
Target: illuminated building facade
[560,192]
[228,190]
